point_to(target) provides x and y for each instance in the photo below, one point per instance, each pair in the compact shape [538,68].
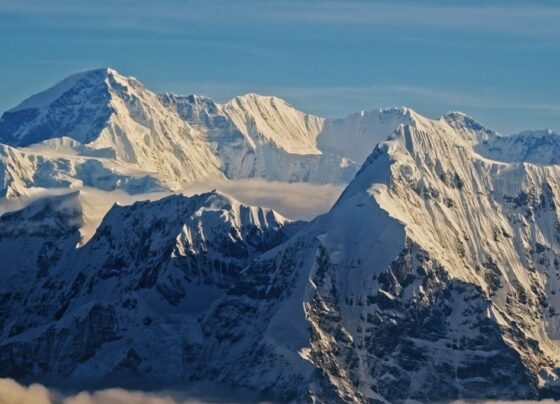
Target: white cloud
[296,201]
[518,17]
[120,396]
[13,393]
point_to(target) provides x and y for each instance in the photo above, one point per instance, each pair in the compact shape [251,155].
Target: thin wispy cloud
[501,17]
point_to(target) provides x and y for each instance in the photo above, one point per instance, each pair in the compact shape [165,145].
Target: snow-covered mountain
[25,170]
[175,140]
[121,133]
[540,147]
[435,276]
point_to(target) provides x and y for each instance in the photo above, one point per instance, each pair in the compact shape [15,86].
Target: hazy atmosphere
[496,60]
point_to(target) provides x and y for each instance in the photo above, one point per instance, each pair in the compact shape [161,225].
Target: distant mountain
[99,127]
[175,140]
[541,147]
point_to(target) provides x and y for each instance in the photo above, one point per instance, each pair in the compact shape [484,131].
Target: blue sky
[498,61]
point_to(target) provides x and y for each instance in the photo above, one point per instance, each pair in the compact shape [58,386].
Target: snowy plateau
[434,276]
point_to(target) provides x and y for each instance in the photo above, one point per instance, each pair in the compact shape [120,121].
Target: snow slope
[25,171]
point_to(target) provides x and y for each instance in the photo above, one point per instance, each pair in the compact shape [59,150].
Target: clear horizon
[492,60]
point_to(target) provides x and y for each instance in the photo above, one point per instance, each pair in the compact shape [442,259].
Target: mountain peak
[268,119]
[256,99]
[256,96]
[469,128]
[455,118]
[77,107]
[47,97]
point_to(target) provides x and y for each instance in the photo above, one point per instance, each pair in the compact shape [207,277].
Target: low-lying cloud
[121,396]
[296,201]
[11,392]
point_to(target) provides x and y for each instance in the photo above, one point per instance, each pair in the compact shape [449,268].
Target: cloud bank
[11,392]
[296,201]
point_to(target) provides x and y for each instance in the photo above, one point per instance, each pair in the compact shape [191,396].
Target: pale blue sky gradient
[498,61]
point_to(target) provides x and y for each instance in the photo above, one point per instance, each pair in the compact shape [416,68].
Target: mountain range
[434,277]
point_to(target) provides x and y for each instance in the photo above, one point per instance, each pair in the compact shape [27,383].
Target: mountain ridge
[178,140]
[435,275]
[128,132]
